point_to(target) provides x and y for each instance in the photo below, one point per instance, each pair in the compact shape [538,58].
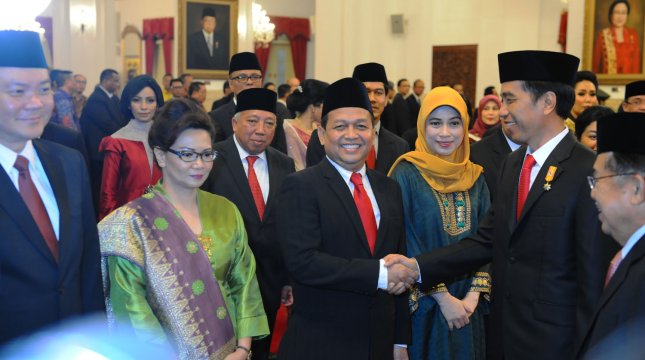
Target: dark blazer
[338,312]
[65,136]
[101,117]
[413,108]
[35,291]
[390,147]
[388,118]
[223,116]
[489,152]
[402,115]
[548,268]
[198,56]
[228,179]
[223,101]
[622,303]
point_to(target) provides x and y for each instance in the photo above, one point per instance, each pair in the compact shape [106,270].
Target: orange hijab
[445,174]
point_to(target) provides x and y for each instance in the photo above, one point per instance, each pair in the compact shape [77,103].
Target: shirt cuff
[405,346]
[382,275]
[418,271]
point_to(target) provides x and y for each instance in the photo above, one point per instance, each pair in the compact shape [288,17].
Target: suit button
[512,260]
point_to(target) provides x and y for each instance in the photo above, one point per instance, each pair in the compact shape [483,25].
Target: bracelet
[248,351]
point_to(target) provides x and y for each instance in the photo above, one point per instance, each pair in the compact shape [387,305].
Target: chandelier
[262,27]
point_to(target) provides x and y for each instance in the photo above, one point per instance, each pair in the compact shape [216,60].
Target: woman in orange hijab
[444,198]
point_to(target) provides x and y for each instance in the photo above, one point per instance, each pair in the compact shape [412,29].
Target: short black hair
[226,85]
[267,84]
[133,87]
[176,80]
[613,5]
[310,92]
[625,163]
[184,76]
[564,94]
[106,74]
[585,75]
[590,115]
[167,74]
[194,87]
[398,83]
[175,117]
[489,90]
[283,90]
[58,77]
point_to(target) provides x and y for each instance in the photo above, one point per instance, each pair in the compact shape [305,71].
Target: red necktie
[525,183]
[256,190]
[32,199]
[613,265]
[371,159]
[365,209]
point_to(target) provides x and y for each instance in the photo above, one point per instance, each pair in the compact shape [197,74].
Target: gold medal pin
[549,177]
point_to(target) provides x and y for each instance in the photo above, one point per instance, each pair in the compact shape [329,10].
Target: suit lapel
[510,181]
[559,154]
[341,190]
[383,156]
[383,205]
[274,185]
[233,162]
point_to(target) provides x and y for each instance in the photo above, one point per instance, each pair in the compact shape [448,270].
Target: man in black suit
[387,146]
[254,125]
[66,136]
[414,101]
[244,73]
[207,49]
[542,232]
[101,117]
[336,220]
[49,249]
[618,188]
[491,151]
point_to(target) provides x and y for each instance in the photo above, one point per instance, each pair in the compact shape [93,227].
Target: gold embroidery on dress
[455,211]
[207,243]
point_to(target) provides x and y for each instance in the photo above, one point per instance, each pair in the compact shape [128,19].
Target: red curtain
[153,30]
[263,56]
[298,32]
[562,33]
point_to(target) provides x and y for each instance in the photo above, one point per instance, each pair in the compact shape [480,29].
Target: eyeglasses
[636,102]
[243,78]
[592,180]
[190,156]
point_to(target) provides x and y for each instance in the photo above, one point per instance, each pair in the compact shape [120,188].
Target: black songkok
[533,65]
[256,99]
[344,93]
[634,89]
[370,72]
[244,61]
[617,133]
[21,49]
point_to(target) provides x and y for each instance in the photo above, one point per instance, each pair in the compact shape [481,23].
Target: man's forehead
[23,75]
[248,71]
[374,85]
[349,113]
[261,114]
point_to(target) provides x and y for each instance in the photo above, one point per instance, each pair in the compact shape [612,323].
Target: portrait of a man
[208,47]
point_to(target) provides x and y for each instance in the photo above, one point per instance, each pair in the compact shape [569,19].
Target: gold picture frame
[604,62]
[192,52]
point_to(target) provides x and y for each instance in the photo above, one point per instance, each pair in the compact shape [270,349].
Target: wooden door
[456,64]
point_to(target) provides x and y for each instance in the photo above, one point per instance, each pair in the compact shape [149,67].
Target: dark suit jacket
[413,108]
[223,116]
[35,291]
[338,312]
[489,152]
[390,147]
[65,136]
[388,118]
[622,303]
[223,101]
[227,178]
[198,56]
[402,115]
[101,117]
[548,268]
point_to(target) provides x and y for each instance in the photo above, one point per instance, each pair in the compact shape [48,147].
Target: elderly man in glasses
[249,173]
[634,97]
[244,72]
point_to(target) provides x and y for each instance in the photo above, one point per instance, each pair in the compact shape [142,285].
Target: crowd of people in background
[358,219]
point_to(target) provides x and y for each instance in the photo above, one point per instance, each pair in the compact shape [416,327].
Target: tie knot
[529,162]
[356,179]
[251,159]
[22,164]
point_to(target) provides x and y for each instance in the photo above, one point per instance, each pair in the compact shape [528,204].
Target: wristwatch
[249,353]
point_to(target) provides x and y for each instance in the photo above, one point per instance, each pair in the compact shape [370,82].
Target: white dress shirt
[541,154]
[632,241]
[260,166]
[38,176]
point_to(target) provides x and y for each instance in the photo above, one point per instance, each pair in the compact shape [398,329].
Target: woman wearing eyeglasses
[176,263]
[128,167]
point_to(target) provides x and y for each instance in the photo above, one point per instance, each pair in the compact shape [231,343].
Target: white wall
[356,31]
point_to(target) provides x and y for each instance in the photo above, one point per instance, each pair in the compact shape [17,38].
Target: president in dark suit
[245,72]
[246,159]
[49,250]
[387,146]
[101,117]
[542,232]
[207,49]
[336,221]
[490,152]
[618,188]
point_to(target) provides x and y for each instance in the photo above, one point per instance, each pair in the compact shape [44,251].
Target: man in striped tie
[618,188]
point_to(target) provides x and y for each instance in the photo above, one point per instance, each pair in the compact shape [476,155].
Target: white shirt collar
[346,174]
[541,154]
[207,34]
[377,128]
[244,153]
[8,157]
[632,241]
[109,94]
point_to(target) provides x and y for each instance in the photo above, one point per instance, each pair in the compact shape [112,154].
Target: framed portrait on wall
[207,37]
[613,40]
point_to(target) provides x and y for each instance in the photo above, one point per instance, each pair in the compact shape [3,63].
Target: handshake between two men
[402,273]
